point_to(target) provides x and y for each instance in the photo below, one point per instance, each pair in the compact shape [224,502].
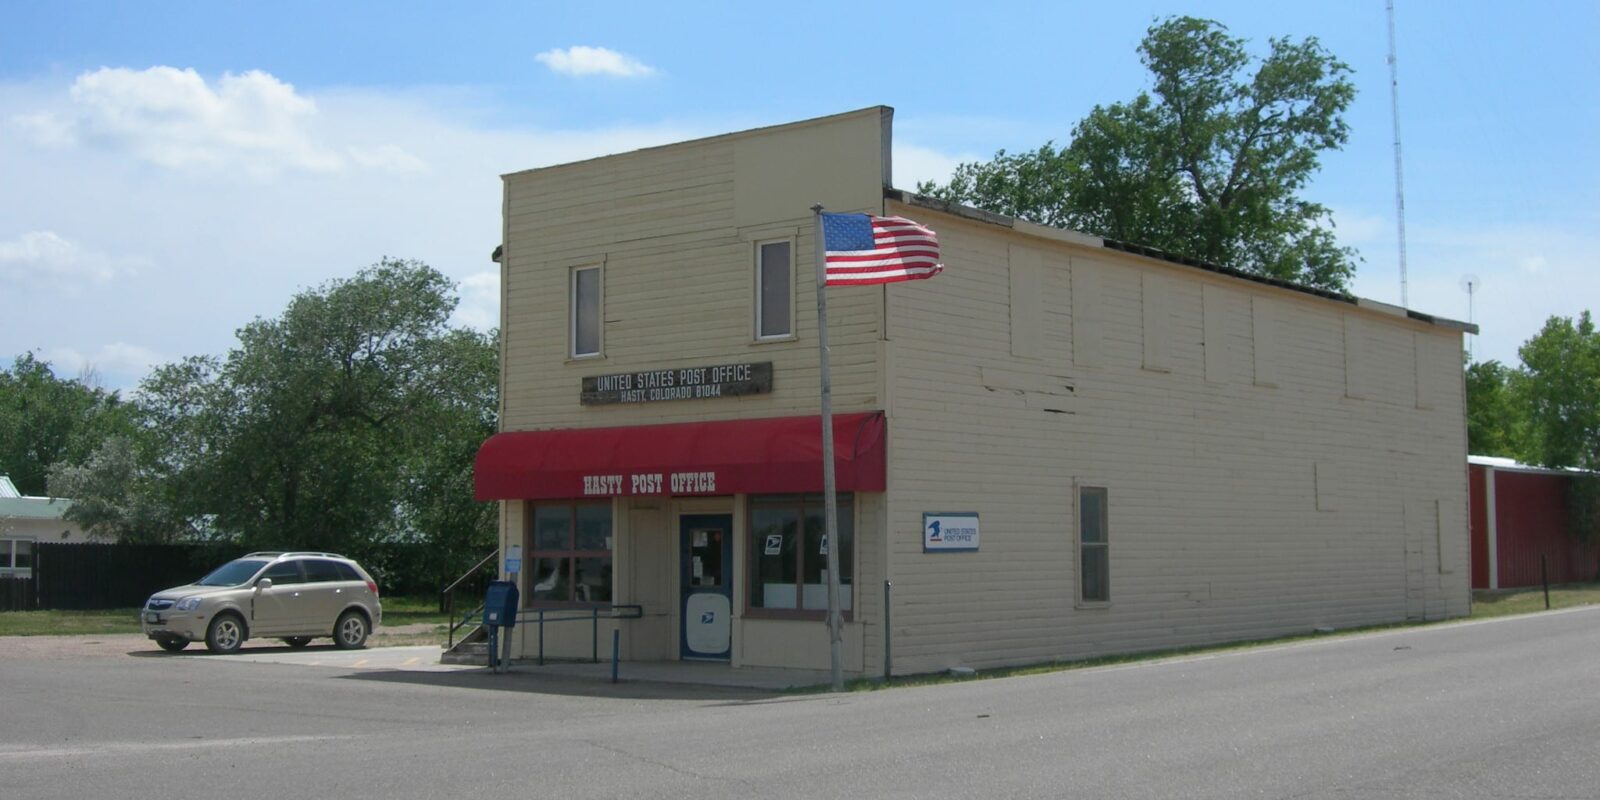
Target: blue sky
[173,170]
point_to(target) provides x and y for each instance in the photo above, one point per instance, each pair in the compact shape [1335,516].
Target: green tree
[349,420]
[1210,166]
[309,426]
[45,420]
[1560,389]
[437,476]
[117,496]
[1494,418]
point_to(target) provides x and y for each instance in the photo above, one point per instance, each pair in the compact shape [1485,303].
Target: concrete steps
[473,649]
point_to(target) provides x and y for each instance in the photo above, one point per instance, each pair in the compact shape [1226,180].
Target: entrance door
[706,577]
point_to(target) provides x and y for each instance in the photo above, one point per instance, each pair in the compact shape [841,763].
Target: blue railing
[593,614]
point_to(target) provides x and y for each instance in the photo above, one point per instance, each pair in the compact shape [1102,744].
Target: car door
[279,610]
[327,593]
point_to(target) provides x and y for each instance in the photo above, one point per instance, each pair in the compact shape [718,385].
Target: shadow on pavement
[198,649]
[569,686]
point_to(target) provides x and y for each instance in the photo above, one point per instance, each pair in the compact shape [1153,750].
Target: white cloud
[117,358]
[1526,273]
[480,301]
[45,258]
[914,163]
[174,118]
[218,249]
[1361,230]
[582,60]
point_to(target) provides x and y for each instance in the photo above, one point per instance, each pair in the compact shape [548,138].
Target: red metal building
[1518,516]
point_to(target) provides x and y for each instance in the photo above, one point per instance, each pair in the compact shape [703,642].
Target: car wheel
[172,644]
[297,641]
[225,634]
[350,632]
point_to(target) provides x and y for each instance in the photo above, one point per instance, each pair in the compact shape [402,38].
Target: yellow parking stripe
[361,663]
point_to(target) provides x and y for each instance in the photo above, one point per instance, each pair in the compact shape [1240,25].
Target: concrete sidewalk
[425,658]
[698,673]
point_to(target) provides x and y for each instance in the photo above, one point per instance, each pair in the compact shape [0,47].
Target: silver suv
[295,597]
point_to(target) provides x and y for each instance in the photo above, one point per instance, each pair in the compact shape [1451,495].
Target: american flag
[861,249]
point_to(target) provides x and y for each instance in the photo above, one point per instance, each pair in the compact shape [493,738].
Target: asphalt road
[1505,708]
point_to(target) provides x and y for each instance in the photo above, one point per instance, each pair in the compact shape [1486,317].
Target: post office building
[1062,446]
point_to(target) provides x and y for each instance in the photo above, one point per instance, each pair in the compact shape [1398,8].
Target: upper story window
[774,290]
[585,304]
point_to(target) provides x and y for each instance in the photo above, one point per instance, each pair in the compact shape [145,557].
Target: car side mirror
[264,583]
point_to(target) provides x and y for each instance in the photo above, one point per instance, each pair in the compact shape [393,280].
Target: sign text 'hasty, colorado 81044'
[684,383]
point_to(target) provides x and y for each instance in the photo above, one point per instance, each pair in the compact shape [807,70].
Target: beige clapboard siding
[674,229]
[678,289]
[1213,495]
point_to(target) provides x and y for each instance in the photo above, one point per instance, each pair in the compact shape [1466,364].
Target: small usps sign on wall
[950,531]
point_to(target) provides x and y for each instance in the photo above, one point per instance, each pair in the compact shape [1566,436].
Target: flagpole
[830,498]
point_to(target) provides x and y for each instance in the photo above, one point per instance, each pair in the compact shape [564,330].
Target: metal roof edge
[879,109]
[1089,240]
[1501,463]
[26,507]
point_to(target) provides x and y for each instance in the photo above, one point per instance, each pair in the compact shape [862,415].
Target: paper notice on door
[699,538]
[699,568]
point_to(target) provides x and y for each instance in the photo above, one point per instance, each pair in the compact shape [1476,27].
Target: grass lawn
[396,611]
[56,623]
[1499,603]
[411,610]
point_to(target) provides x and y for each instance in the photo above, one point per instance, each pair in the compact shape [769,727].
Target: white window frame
[1078,488]
[756,295]
[8,556]
[572,312]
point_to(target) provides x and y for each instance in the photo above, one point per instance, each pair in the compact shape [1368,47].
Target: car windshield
[233,573]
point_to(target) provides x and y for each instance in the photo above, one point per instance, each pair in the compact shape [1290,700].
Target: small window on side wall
[1094,545]
[774,290]
[585,327]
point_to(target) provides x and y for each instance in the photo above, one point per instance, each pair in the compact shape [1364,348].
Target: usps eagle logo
[933,532]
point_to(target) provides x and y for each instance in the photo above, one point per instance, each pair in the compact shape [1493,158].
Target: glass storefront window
[569,554]
[789,553]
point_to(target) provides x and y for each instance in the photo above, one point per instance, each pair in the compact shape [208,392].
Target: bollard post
[616,638]
[505,650]
[888,632]
[594,636]
[541,637]
[1544,575]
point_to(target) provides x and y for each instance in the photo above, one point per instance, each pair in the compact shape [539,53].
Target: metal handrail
[625,611]
[447,599]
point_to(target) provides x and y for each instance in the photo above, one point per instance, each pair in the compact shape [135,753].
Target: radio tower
[1399,175]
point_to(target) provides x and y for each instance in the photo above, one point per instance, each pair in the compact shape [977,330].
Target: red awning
[747,456]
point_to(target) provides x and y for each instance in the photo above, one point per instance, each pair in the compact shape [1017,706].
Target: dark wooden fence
[16,594]
[88,576]
[103,576]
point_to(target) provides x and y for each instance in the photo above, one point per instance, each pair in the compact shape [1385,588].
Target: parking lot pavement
[418,658]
